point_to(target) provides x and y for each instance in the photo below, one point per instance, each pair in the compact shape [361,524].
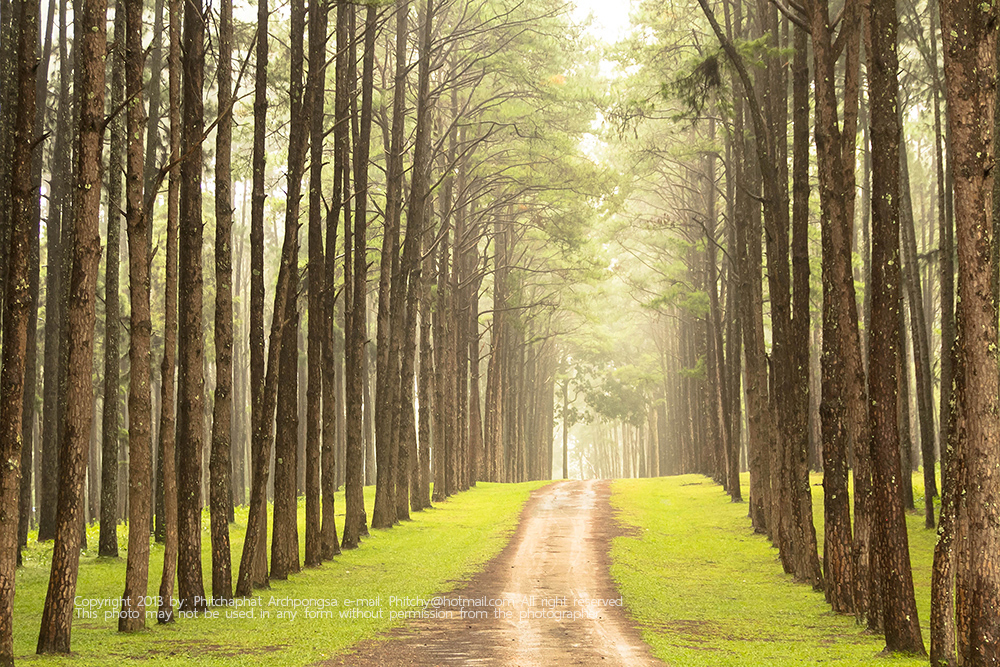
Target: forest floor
[547,599]
[315,614]
[630,572]
[707,592]
[665,571]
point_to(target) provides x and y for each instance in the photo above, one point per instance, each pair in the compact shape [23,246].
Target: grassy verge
[418,559]
[707,591]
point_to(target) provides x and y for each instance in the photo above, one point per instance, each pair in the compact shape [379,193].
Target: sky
[610,17]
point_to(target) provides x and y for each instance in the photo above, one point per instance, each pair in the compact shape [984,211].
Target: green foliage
[620,394]
[697,373]
[698,85]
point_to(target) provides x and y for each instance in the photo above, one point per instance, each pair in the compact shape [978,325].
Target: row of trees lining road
[430,151]
[511,236]
[800,328]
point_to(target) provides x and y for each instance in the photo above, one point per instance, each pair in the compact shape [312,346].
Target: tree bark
[946,250]
[29,509]
[167,439]
[108,539]
[57,616]
[17,312]
[60,212]
[7,91]
[220,465]
[761,424]
[284,545]
[496,369]
[391,285]
[969,59]
[902,629]
[133,609]
[331,381]
[191,378]
[843,413]
[317,333]
[284,535]
[475,409]
[354,522]
[259,565]
[807,565]
[953,480]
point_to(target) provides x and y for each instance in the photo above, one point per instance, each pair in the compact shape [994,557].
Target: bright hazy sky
[610,17]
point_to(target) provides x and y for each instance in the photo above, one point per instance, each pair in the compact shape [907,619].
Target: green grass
[420,558]
[706,591]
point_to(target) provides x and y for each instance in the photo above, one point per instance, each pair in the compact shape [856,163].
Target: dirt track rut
[549,599]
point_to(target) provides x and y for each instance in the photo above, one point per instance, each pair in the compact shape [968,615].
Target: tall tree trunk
[761,430]
[761,424]
[843,414]
[807,565]
[17,312]
[390,290]
[191,379]
[259,564]
[946,250]
[140,477]
[354,522]
[284,545]
[496,369]
[460,318]
[253,569]
[332,382]
[443,400]
[410,291]
[57,616]
[332,410]
[222,411]
[867,591]
[411,276]
[28,509]
[969,58]
[902,629]
[60,211]
[953,480]
[67,239]
[108,539]
[317,283]
[734,347]
[770,137]
[284,535]
[167,441]
[257,516]
[7,100]
[240,366]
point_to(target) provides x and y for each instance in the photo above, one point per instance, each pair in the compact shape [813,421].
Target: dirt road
[546,599]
